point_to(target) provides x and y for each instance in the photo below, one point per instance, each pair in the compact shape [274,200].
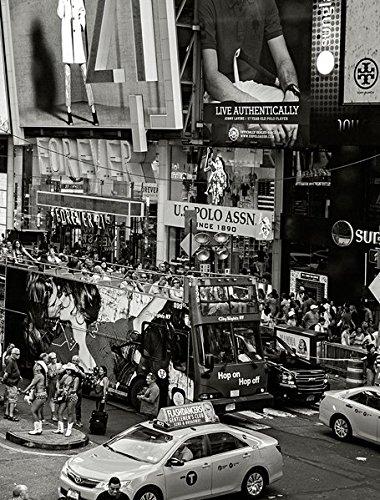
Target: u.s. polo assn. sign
[247,222]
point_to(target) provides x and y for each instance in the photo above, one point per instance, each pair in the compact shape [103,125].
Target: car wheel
[254,483]
[149,493]
[341,428]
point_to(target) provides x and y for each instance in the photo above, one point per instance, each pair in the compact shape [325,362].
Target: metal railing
[334,356]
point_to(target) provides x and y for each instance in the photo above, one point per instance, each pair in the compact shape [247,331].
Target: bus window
[155,342]
[248,343]
[217,340]
[242,299]
[214,300]
[179,350]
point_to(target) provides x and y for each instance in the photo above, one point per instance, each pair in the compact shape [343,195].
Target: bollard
[355,373]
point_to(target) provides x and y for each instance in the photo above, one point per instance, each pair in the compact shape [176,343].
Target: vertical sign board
[344,73]
[4,111]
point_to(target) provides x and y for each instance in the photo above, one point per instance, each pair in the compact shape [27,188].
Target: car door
[361,415]
[373,403]
[230,459]
[193,478]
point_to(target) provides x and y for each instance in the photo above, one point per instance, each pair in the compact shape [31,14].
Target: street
[316,466]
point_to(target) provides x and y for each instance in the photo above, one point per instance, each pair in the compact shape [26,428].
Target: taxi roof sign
[179,417]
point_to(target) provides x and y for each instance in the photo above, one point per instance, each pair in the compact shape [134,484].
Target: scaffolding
[188,30]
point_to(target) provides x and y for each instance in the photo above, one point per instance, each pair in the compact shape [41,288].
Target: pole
[191,242]
[365,268]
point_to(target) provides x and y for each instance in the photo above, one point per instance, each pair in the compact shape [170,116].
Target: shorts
[42,396]
[11,394]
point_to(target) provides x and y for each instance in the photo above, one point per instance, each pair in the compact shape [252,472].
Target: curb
[48,440]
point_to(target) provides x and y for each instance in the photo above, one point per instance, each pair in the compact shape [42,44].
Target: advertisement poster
[2,303]
[298,342]
[362,53]
[99,323]
[4,111]
[115,58]
[256,63]
[345,73]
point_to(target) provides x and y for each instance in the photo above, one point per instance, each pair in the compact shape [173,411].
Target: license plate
[73,495]
[310,398]
[230,407]
[235,393]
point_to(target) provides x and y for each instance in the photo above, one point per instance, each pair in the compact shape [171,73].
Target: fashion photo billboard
[256,66]
[114,62]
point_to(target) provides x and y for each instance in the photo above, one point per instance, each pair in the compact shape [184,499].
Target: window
[221,442]
[216,340]
[367,398]
[192,449]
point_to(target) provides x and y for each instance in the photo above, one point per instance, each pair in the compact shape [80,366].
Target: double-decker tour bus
[202,346]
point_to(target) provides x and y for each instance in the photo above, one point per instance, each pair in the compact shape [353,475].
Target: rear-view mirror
[209,362]
[174,462]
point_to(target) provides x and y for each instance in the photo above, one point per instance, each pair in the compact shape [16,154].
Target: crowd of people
[346,324]
[54,385]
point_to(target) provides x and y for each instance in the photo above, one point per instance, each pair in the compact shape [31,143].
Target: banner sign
[178,417]
[298,342]
[252,112]
[66,216]
[230,220]
[4,111]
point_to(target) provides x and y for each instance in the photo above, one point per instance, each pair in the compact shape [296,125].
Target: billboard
[345,73]
[256,62]
[83,63]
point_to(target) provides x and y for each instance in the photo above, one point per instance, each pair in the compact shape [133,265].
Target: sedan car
[201,461]
[352,412]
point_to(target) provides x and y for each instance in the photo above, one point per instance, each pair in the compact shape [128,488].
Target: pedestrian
[54,367]
[113,491]
[6,355]
[101,388]
[150,397]
[311,317]
[21,492]
[346,336]
[37,397]
[370,359]
[82,375]
[67,397]
[11,380]
[292,318]
[376,367]
[359,337]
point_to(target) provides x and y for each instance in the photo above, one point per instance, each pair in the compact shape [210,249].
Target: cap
[70,366]
[313,306]
[291,313]
[52,355]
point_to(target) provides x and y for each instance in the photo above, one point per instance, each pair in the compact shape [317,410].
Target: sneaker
[79,425]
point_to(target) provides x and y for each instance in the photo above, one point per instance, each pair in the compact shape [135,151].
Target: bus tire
[136,387]
[178,397]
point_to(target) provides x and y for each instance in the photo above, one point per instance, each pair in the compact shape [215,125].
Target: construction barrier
[334,357]
[355,373]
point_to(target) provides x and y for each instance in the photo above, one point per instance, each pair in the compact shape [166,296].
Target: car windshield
[142,444]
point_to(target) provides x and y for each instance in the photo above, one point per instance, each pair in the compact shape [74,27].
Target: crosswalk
[261,420]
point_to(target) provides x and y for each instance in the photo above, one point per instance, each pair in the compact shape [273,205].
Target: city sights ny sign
[343,234]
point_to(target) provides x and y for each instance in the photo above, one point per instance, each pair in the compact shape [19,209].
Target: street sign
[185,245]
[190,221]
[375,288]
[374,257]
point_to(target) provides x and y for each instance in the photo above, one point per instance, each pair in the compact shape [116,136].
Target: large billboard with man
[85,63]
[256,62]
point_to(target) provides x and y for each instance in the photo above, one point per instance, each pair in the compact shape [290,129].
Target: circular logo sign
[161,373]
[366,73]
[233,134]
[191,478]
[342,233]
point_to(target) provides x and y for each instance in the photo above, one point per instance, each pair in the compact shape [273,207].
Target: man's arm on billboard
[287,75]
[218,85]
[284,64]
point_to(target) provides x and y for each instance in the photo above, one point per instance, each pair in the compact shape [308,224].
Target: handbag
[30,396]
[60,398]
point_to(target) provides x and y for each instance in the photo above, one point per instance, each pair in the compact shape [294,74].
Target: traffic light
[374,257]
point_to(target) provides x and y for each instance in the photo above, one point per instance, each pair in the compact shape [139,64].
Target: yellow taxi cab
[186,453]
[352,412]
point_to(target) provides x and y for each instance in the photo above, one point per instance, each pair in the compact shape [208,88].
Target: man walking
[150,397]
[11,380]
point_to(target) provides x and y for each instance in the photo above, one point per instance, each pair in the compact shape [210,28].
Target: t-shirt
[106,496]
[13,372]
[228,25]
[151,407]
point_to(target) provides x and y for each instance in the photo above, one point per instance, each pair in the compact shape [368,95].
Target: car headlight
[124,484]
[287,378]
[65,467]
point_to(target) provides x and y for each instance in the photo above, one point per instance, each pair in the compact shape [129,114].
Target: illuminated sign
[177,417]
[343,234]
